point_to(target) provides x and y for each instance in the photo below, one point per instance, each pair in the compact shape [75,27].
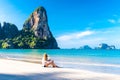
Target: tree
[32,44]
[5,45]
[21,44]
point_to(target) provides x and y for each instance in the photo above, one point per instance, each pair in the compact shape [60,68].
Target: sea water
[104,61]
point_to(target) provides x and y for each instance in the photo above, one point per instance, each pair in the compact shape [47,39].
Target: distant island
[35,33]
[102,46]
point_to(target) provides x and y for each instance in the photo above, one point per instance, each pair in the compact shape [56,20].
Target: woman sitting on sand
[46,62]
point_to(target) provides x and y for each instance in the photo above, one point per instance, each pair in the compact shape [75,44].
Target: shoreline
[21,70]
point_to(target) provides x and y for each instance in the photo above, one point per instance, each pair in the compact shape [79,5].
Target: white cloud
[73,39]
[112,21]
[76,35]
[92,38]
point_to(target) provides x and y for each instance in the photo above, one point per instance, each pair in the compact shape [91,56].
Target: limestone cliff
[105,46]
[38,22]
[34,35]
[8,30]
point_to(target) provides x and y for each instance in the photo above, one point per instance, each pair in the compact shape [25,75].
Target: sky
[74,23]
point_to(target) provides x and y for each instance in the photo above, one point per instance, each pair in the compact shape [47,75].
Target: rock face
[9,30]
[85,47]
[34,35]
[105,46]
[38,23]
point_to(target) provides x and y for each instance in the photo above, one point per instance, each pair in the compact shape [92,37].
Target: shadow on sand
[36,76]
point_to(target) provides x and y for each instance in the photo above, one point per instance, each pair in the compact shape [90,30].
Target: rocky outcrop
[105,46]
[9,30]
[38,22]
[85,47]
[34,35]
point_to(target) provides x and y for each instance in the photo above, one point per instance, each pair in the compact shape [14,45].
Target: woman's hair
[45,56]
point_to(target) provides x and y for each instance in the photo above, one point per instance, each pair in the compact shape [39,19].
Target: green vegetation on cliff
[26,40]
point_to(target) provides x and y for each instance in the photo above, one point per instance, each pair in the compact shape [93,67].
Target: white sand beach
[18,70]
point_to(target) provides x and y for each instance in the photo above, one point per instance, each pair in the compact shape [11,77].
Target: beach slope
[18,70]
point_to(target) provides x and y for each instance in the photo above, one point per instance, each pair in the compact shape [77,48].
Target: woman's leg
[54,65]
[51,63]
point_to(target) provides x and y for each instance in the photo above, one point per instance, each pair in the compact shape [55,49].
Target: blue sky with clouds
[74,23]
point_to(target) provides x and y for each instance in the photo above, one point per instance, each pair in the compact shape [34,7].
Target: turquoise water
[106,61]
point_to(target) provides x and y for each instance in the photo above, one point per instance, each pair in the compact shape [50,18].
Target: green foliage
[5,45]
[26,40]
[32,44]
